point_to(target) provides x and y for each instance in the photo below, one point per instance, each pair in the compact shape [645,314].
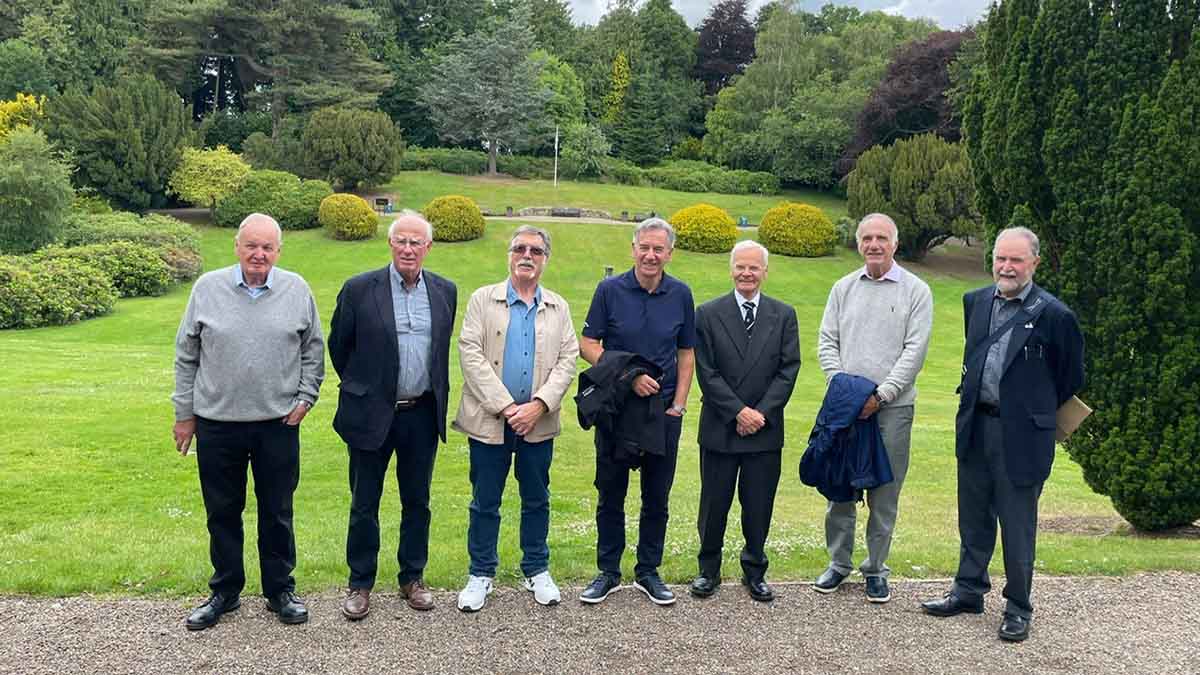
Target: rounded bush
[704,228]
[279,194]
[797,229]
[347,217]
[155,230]
[184,265]
[454,218]
[135,269]
[51,292]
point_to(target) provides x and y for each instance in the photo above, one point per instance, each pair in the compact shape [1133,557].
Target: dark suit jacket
[1043,368]
[365,354]
[735,371]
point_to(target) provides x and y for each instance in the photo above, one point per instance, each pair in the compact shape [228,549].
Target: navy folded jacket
[845,455]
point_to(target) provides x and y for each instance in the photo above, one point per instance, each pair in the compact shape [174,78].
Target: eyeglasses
[413,243]
[535,251]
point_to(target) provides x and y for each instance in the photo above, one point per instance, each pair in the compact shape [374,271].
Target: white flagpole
[556,155]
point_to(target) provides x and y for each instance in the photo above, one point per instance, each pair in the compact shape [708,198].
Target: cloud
[948,14]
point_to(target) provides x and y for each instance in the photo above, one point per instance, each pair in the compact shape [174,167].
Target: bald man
[249,361]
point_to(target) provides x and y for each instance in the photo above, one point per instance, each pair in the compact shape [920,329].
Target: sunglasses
[535,251]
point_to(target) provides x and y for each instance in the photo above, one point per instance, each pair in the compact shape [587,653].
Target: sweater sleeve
[312,357]
[916,344]
[187,359]
[829,339]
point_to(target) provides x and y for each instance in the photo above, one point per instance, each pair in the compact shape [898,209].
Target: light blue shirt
[519,342]
[239,280]
[1003,309]
[414,335]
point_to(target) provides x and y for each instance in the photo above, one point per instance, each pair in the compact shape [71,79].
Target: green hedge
[454,218]
[279,194]
[37,293]
[704,228]
[135,269]
[695,176]
[448,160]
[347,217]
[175,242]
[526,166]
[797,229]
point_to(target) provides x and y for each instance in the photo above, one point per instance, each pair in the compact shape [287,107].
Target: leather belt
[988,409]
[409,403]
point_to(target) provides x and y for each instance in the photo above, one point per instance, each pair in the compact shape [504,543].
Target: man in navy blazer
[747,359]
[390,343]
[1023,359]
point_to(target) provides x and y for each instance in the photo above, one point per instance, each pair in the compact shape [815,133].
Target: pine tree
[614,100]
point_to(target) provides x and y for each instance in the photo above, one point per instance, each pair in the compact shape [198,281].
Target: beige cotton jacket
[481,356]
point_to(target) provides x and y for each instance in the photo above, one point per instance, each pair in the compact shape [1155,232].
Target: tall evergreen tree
[1083,126]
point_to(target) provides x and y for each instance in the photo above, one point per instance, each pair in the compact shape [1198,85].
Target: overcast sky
[947,13]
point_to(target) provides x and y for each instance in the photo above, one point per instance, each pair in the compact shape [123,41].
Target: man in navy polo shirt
[649,313]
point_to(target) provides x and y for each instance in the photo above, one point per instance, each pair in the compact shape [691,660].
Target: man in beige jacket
[517,350]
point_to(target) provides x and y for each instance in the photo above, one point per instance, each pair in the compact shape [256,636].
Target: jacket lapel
[437,311]
[730,316]
[765,325]
[387,314]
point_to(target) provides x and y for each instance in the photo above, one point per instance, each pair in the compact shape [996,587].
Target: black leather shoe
[704,586]
[759,590]
[210,612]
[950,605]
[829,581]
[1014,628]
[599,589]
[654,588]
[877,590]
[290,608]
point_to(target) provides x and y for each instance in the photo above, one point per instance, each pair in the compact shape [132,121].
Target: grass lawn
[414,189]
[93,497]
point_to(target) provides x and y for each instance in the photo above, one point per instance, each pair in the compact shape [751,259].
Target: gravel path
[1145,623]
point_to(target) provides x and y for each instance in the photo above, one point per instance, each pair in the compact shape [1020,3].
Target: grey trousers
[987,497]
[895,425]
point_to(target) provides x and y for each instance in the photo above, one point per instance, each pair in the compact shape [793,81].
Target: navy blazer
[365,354]
[1043,368]
[735,371]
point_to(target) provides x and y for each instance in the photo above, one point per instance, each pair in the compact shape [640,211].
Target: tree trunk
[492,158]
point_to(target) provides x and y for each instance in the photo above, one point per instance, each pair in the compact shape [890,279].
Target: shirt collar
[512,298]
[895,274]
[398,281]
[741,298]
[240,280]
[1022,296]
[630,280]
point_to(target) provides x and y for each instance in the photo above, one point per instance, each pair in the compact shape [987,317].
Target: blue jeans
[489,471]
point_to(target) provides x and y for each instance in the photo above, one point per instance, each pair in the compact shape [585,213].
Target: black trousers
[272,450]
[755,476]
[986,497]
[413,438]
[612,483]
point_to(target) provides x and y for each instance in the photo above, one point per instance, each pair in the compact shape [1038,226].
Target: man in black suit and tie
[1023,359]
[747,359]
[390,343]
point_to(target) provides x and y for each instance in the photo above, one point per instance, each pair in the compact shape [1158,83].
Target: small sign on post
[383,204]
[608,271]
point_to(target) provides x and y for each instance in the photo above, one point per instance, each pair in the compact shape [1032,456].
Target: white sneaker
[544,590]
[472,597]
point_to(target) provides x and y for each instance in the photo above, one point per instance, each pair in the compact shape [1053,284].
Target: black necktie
[749,306]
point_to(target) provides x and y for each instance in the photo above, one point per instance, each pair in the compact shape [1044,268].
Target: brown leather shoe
[417,594]
[357,604]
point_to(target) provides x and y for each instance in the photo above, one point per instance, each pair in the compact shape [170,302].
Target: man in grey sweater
[249,361]
[876,325]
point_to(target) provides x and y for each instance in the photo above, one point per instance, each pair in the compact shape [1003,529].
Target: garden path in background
[1092,625]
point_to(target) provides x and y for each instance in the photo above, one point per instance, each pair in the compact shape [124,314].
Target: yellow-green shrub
[793,228]
[704,228]
[454,218]
[347,217]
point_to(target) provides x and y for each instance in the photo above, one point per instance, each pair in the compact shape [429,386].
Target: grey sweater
[243,359]
[878,330]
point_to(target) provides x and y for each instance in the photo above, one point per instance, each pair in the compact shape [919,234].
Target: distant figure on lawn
[876,325]
[390,343]
[1022,360]
[647,315]
[517,349]
[747,359]
[249,361]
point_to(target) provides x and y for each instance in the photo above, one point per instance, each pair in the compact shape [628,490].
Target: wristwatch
[878,399]
[677,409]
